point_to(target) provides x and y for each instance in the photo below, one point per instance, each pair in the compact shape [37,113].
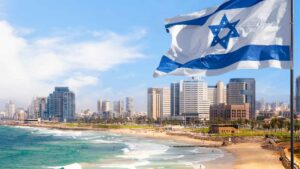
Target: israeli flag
[239,34]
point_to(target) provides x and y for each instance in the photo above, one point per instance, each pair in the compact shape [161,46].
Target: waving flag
[239,34]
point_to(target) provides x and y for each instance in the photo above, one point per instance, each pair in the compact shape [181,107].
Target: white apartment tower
[153,98]
[221,93]
[11,110]
[106,107]
[217,94]
[194,102]
[165,105]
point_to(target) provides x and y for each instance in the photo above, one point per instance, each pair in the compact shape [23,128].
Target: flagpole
[292,85]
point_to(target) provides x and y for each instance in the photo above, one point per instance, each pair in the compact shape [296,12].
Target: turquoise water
[38,148]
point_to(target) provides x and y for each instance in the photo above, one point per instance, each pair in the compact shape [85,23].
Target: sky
[102,50]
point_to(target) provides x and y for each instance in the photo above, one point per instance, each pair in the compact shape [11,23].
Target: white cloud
[78,82]
[33,67]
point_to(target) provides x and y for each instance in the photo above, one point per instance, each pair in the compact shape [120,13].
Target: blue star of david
[216,29]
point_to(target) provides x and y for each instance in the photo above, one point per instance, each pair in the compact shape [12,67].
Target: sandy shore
[164,136]
[237,156]
[252,156]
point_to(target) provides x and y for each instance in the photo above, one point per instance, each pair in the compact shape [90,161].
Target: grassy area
[282,135]
[198,130]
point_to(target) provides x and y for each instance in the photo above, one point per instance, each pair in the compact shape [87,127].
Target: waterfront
[51,148]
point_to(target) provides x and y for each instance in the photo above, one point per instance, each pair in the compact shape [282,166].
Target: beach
[236,156]
[244,155]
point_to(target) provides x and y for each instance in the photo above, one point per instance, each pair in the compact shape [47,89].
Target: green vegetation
[281,135]
[198,130]
[276,127]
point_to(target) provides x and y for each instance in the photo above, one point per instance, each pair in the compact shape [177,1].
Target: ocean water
[40,148]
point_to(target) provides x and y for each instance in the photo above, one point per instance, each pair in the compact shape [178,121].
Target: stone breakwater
[286,160]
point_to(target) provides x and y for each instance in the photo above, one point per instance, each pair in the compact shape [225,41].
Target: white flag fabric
[239,34]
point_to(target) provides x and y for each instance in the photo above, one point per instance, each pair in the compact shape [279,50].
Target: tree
[252,124]
[280,123]
[274,123]
[266,126]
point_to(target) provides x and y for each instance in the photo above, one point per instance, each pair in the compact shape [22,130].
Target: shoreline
[236,156]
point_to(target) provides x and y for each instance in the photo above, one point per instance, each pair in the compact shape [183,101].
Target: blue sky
[102,49]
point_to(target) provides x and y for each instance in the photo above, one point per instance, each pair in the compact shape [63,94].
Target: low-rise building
[225,112]
[224,129]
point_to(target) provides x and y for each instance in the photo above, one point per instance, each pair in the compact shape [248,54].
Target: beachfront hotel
[194,102]
[61,104]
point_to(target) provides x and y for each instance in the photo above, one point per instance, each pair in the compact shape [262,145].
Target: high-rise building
[11,110]
[165,104]
[217,94]
[38,108]
[212,95]
[221,93]
[61,104]
[298,95]
[176,89]
[194,103]
[99,106]
[119,108]
[106,106]
[129,106]
[154,101]
[159,106]
[240,91]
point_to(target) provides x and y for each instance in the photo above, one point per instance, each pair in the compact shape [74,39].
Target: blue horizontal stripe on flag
[219,61]
[232,4]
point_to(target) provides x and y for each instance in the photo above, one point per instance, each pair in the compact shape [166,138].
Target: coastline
[237,156]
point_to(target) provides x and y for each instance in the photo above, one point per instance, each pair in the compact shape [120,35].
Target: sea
[43,148]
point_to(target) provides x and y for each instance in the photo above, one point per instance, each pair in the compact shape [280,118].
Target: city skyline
[129,69]
[169,87]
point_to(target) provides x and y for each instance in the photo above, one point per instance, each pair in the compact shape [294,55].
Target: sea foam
[71,166]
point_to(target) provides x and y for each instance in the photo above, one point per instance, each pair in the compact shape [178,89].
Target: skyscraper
[38,108]
[165,105]
[176,89]
[106,106]
[240,91]
[217,94]
[221,93]
[61,104]
[153,104]
[11,110]
[99,106]
[194,103]
[159,106]
[298,94]
[129,106]
[212,95]
[119,107]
